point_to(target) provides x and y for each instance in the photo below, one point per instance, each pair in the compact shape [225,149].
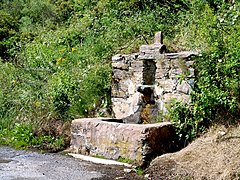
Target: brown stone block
[120,65]
[102,136]
[183,87]
[163,64]
[136,65]
[120,74]
[166,85]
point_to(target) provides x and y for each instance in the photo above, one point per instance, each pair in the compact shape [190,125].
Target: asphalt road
[27,165]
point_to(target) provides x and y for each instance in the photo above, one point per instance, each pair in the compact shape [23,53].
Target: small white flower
[221,20]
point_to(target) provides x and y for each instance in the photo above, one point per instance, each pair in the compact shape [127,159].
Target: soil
[215,155]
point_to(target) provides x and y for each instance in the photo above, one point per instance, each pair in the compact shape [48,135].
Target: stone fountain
[143,84]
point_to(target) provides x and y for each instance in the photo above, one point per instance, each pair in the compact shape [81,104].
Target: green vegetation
[125,160]
[56,57]
[139,171]
[214,29]
[21,136]
[100,157]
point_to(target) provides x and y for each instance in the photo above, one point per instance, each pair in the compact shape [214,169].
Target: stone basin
[113,139]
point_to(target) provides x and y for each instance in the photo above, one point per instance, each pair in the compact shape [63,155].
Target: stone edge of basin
[112,140]
[114,121]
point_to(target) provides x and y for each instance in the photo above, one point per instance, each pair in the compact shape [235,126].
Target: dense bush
[214,29]
[8,33]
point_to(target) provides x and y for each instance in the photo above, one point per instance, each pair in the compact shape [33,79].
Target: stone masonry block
[167,85]
[183,87]
[119,74]
[136,65]
[138,142]
[121,107]
[120,65]
[163,64]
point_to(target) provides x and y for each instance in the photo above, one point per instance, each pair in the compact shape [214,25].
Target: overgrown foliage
[22,136]
[56,55]
[214,29]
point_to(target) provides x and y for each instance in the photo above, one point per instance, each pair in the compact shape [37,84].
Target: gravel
[28,165]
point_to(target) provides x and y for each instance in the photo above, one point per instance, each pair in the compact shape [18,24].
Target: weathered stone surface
[163,64]
[120,65]
[119,74]
[150,52]
[136,65]
[189,64]
[116,93]
[183,87]
[121,57]
[163,71]
[158,38]
[143,84]
[175,73]
[191,72]
[167,85]
[141,143]
[121,107]
[150,48]
[184,54]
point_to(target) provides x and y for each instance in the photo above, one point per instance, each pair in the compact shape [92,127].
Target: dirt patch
[215,155]
[113,172]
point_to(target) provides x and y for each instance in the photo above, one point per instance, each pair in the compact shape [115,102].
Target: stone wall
[127,74]
[149,80]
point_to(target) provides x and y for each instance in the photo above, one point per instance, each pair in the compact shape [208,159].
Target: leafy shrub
[22,136]
[8,31]
[63,92]
[182,117]
[9,87]
[216,89]
[217,83]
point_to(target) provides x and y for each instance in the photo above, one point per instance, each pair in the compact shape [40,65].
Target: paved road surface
[27,165]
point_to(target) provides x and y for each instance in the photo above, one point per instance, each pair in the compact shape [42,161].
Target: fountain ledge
[112,139]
